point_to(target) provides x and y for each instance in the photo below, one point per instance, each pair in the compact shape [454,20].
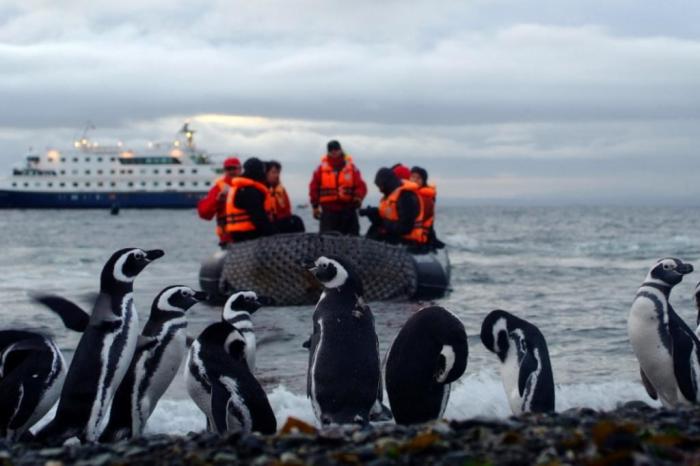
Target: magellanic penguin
[696,297]
[32,371]
[154,365]
[344,376]
[429,353]
[237,312]
[667,349]
[104,351]
[525,367]
[237,309]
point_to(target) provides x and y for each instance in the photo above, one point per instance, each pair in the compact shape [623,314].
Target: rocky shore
[632,434]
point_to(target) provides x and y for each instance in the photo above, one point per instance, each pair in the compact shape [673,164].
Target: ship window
[112,159]
[49,184]
[112,172]
[168,183]
[87,184]
[131,184]
[130,172]
[14,185]
[87,159]
[155,183]
[194,183]
[182,171]
[63,160]
[87,172]
[75,159]
[62,185]
[100,184]
[99,172]
[112,184]
[168,171]
[182,183]
[143,183]
[156,171]
[75,185]
[194,170]
[63,172]
[26,185]
[99,159]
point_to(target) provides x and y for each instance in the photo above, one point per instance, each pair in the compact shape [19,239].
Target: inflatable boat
[272,267]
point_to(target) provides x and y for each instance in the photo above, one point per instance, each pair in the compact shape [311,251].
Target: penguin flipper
[651,391]
[219,406]
[72,315]
[145,343]
[684,346]
[528,367]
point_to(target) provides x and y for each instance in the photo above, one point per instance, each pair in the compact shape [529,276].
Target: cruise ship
[164,175]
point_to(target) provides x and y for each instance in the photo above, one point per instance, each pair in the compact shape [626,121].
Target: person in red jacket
[282,211]
[214,204]
[336,192]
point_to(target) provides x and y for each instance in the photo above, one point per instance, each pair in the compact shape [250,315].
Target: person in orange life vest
[336,192]
[282,209]
[214,203]
[402,171]
[248,205]
[428,192]
[399,217]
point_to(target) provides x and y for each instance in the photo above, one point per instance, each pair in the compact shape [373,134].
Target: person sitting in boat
[402,171]
[249,206]
[282,209]
[214,204]
[428,193]
[336,192]
[399,217]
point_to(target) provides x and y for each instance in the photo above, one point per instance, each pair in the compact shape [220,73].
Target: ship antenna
[189,134]
[88,126]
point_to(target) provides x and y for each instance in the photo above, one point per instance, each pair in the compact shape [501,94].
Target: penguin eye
[139,255]
[186,293]
[668,266]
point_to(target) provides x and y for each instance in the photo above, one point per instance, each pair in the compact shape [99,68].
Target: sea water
[572,271]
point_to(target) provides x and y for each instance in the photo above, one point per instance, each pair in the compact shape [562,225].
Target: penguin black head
[494,332]
[177,298]
[243,301]
[335,272]
[126,264]
[669,271]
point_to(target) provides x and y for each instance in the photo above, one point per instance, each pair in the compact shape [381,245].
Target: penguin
[667,349]
[154,364]
[696,297]
[237,402]
[344,375]
[32,371]
[429,353]
[104,351]
[525,367]
[237,309]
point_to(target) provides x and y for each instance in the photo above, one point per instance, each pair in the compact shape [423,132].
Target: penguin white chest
[654,357]
[510,373]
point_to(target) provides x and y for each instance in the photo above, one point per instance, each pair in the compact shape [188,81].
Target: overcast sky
[557,101]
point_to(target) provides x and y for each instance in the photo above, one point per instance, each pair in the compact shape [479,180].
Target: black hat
[333,145]
[422,172]
[254,169]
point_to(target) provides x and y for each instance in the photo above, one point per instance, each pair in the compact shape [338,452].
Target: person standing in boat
[399,217]
[249,206]
[336,192]
[282,215]
[214,204]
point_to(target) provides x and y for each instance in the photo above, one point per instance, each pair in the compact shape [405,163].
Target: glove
[317,213]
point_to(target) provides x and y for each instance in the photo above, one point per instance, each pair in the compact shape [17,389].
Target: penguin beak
[201,296]
[154,254]
[684,268]
[266,301]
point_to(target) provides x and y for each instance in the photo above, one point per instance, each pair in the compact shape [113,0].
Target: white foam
[474,395]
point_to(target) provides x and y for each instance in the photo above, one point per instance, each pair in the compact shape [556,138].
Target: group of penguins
[118,374]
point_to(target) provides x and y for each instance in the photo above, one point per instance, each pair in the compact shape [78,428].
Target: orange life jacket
[222,183]
[238,220]
[428,193]
[280,201]
[337,185]
[389,211]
